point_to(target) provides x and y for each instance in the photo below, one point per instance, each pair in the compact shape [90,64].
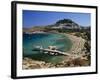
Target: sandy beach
[77,44]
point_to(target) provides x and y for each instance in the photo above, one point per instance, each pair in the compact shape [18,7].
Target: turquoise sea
[30,41]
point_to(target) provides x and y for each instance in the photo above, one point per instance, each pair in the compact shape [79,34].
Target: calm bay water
[30,41]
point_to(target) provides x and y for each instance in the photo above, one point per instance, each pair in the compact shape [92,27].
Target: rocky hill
[60,24]
[67,24]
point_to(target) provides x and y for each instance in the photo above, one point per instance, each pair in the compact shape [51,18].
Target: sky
[41,18]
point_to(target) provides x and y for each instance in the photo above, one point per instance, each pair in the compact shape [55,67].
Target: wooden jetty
[54,52]
[51,51]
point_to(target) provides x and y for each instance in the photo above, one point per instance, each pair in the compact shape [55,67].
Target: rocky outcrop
[33,64]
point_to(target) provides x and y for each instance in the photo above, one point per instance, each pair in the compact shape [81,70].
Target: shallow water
[30,41]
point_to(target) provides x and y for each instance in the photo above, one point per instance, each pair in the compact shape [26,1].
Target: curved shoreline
[75,59]
[77,44]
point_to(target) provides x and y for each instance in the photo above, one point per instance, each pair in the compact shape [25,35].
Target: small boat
[37,48]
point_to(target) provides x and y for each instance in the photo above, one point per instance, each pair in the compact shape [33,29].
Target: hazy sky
[39,18]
